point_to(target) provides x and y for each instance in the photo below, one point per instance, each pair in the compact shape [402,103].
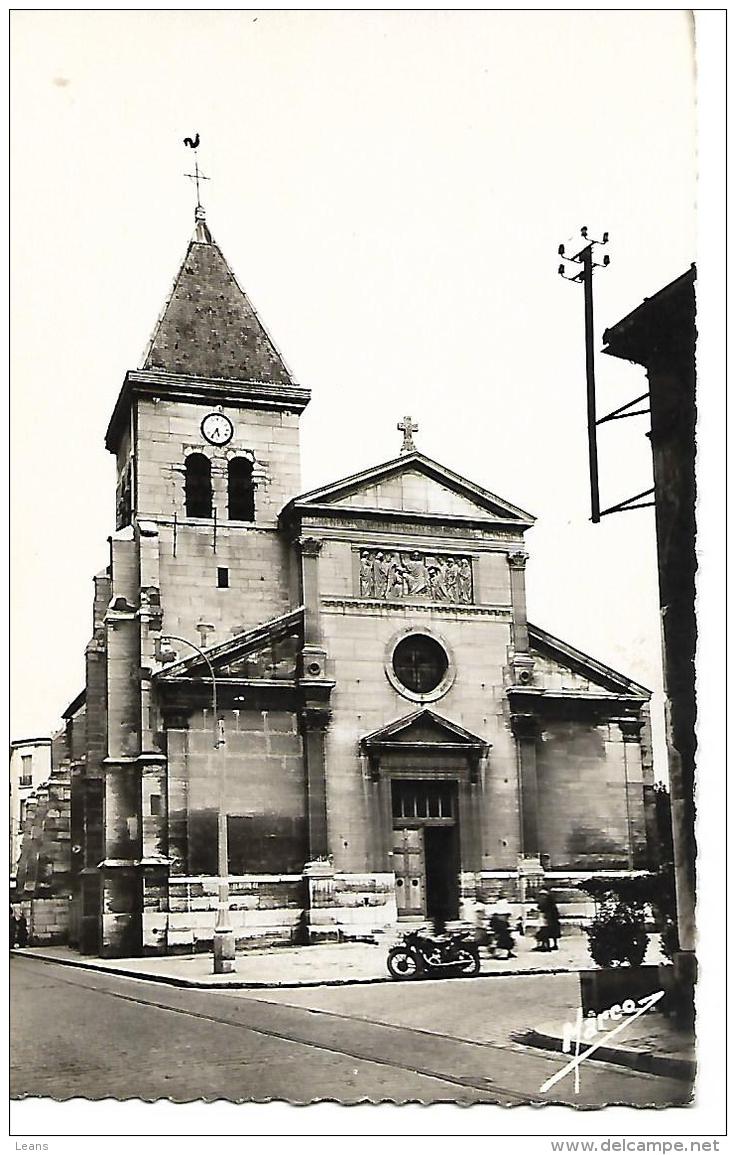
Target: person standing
[13,928]
[21,930]
[550,931]
[500,916]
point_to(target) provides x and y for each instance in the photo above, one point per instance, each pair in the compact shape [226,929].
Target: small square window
[155,804]
[223,577]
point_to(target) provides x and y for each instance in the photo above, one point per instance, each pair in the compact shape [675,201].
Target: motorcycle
[423,955]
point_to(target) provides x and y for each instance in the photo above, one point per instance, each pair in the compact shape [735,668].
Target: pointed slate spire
[208,327]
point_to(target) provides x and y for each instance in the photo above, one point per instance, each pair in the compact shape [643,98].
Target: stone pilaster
[310,551]
[314,722]
[315,713]
[521,661]
[123,681]
[526,731]
[631,728]
[154,819]
[218,475]
[176,737]
[150,616]
[469,803]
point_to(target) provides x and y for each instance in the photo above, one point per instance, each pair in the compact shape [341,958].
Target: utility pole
[574,253]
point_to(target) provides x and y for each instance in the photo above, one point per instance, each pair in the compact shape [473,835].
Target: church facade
[339,687]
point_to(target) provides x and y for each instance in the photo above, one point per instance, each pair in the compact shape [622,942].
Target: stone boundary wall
[320,906]
[48,920]
[264,911]
[267,910]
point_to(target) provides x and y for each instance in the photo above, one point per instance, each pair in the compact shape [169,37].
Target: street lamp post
[223,946]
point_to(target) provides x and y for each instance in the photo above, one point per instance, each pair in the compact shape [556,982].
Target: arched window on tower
[198,486]
[240,490]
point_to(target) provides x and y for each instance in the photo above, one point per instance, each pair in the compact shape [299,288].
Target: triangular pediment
[268,652]
[562,668]
[415,485]
[423,728]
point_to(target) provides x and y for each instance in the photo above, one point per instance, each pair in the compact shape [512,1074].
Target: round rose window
[420,663]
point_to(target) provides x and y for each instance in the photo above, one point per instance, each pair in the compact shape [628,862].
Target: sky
[390,189]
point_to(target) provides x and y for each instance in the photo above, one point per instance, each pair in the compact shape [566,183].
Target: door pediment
[423,728]
[424,733]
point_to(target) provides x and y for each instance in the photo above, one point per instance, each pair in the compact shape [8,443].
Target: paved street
[89,1034]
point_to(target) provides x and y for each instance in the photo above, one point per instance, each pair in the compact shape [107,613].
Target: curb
[198,984]
[643,1061]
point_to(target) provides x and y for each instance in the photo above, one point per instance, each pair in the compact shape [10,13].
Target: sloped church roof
[208,327]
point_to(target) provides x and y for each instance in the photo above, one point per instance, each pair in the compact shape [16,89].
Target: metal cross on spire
[196,176]
[407,427]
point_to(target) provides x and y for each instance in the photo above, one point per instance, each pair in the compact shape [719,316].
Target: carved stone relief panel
[412,575]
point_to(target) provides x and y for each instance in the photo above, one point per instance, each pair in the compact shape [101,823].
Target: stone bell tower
[206,438]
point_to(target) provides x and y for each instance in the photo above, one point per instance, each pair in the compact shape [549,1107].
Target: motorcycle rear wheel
[403,964]
[470,965]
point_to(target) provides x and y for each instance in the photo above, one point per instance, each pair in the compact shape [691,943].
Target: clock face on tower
[217,429]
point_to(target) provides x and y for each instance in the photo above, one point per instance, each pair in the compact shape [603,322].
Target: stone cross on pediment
[407,427]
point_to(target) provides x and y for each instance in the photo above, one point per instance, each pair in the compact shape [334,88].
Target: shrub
[637,894]
[617,935]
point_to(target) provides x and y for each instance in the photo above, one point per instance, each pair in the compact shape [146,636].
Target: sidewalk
[333,964]
[651,1043]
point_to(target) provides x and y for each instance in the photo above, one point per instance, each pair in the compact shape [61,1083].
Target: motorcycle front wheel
[469,964]
[403,964]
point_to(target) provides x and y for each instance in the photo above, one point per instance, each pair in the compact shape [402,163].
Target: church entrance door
[425,845]
[410,872]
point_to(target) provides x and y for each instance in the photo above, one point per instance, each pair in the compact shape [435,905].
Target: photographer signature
[585,1030]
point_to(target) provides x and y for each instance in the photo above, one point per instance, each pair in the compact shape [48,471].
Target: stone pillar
[319,881]
[314,722]
[526,730]
[121,891]
[122,810]
[530,877]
